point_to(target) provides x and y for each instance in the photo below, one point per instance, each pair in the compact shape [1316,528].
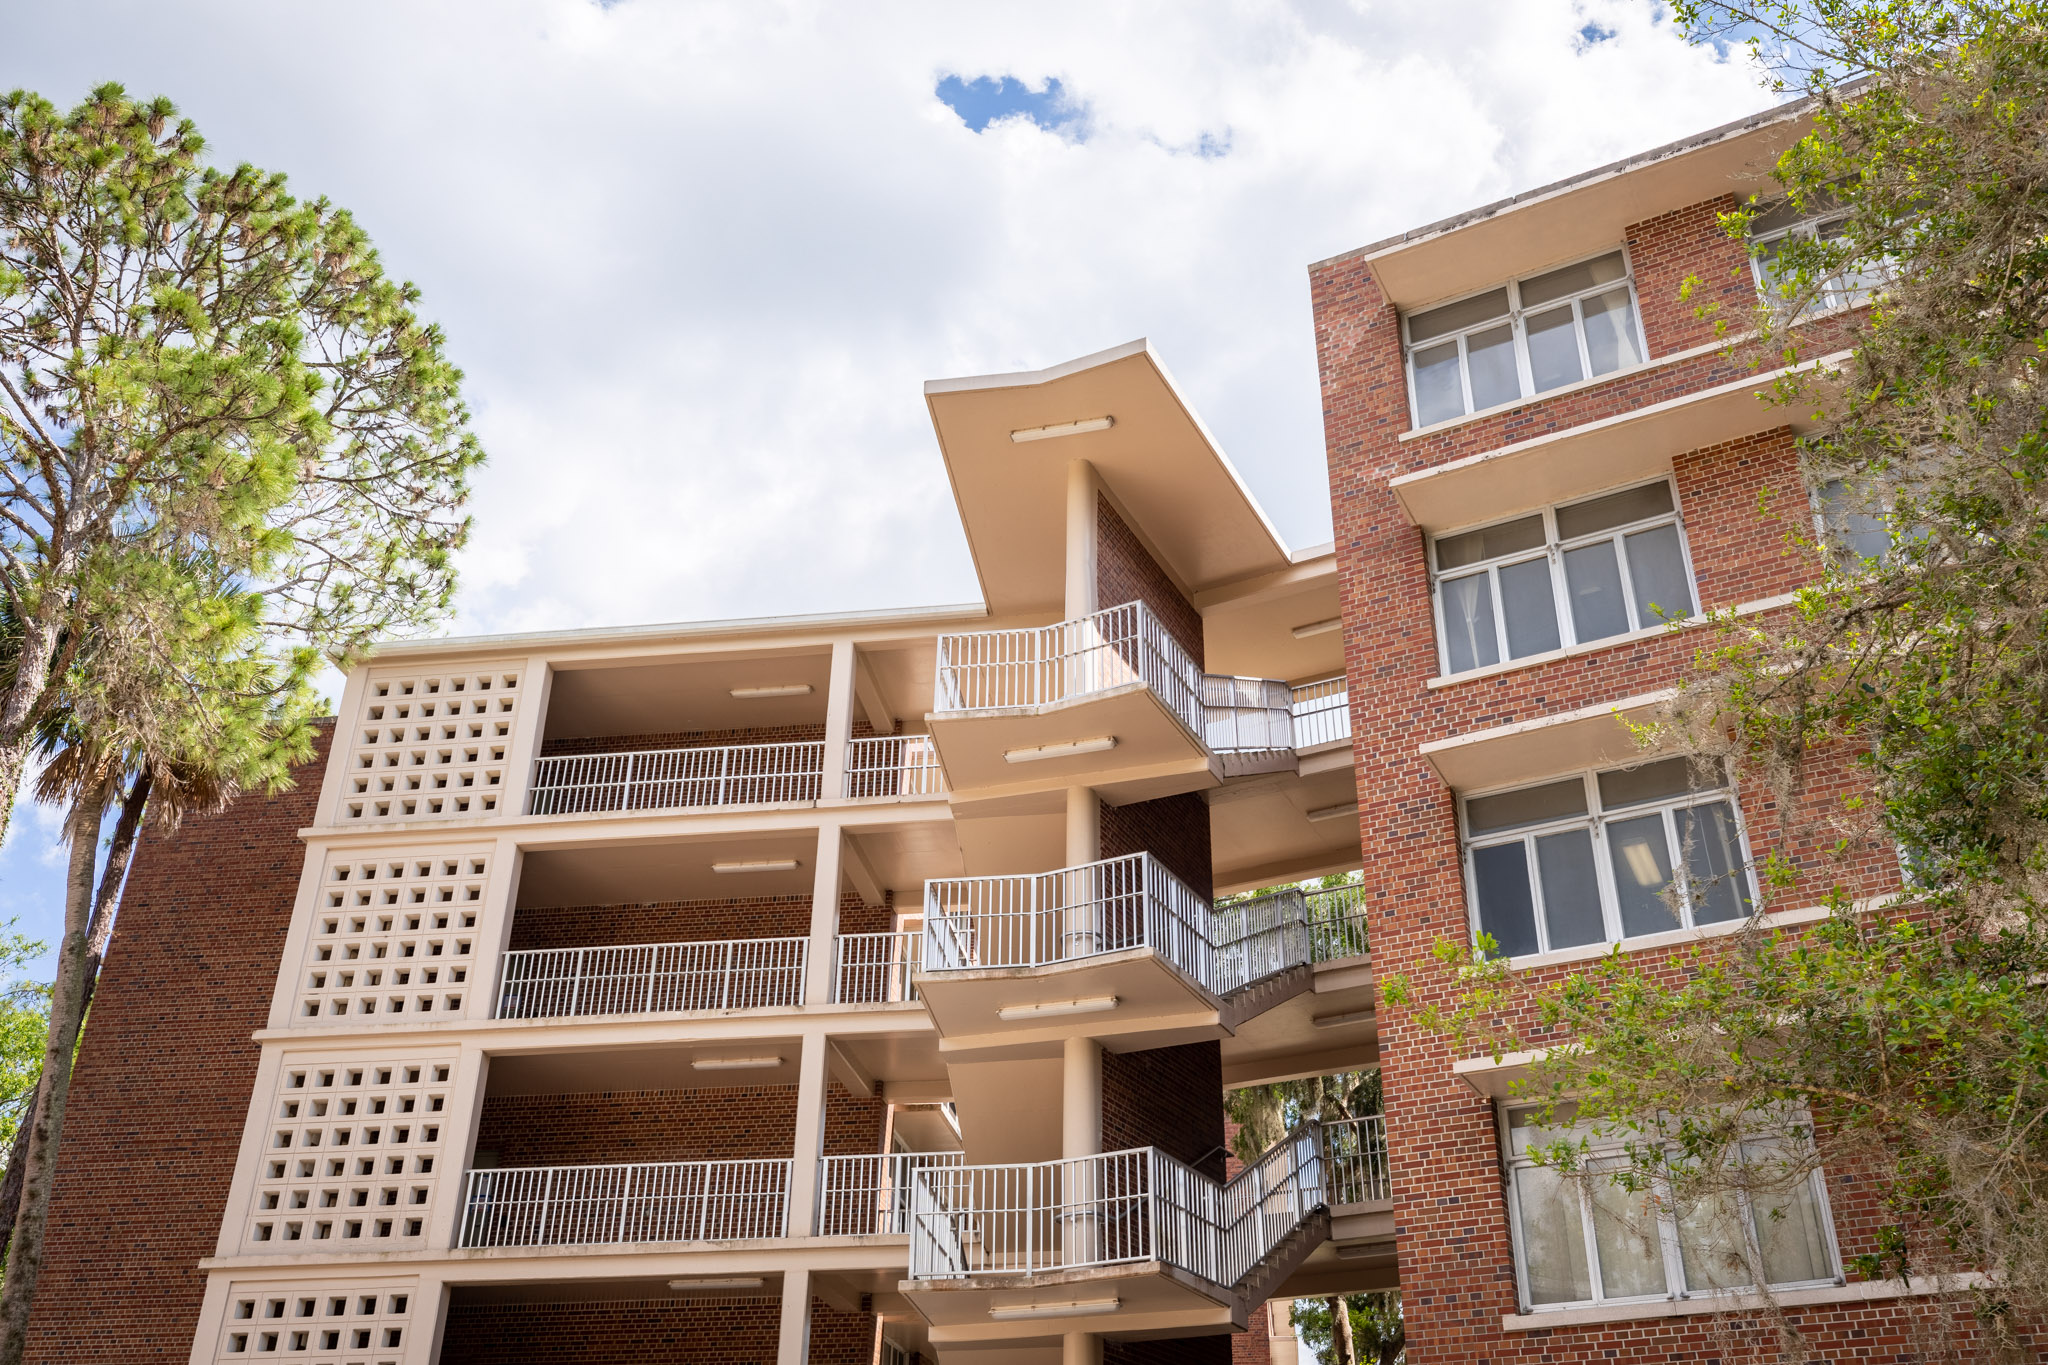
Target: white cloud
[697,259]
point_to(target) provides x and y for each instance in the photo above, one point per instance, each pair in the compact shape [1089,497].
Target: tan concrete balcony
[1131,1242]
[1111,698]
[676,779]
[1122,942]
[704,976]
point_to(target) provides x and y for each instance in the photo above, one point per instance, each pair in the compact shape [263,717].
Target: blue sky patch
[1592,35]
[985,99]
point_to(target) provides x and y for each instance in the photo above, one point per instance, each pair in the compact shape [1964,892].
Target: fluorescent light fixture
[1067,1308]
[1334,812]
[734,1063]
[1093,1005]
[774,690]
[717,1282]
[1318,627]
[757,865]
[1066,749]
[1340,1020]
[1063,429]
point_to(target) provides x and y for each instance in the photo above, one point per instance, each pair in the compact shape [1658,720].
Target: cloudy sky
[697,258]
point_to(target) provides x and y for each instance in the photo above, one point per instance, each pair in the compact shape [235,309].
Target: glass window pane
[1642,869]
[1666,777]
[1852,526]
[1526,607]
[1789,1232]
[1554,349]
[1571,891]
[1490,358]
[1553,1237]
[1500,876]
[1625,1234]
[1526,806]
[1488,542]
[1572,279]
[1456,317]
[1610,510]
[1656,572]
[1593,577]
[1713,863]
[1611,331]
[1439,393]
[1468,622]
[1711,1244]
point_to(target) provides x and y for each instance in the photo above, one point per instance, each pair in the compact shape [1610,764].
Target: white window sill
[1549,395]
[1863,1291]
[1595,646]
[1587,952]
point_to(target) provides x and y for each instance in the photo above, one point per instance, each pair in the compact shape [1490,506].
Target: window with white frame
[1526,337]
[1583,1238]
[1570,574]
[1771,231]
[1601,857]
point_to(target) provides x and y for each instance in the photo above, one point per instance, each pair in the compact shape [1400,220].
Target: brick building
[866,987]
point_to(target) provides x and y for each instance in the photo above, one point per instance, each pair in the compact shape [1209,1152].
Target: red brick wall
[590,926]
[1254,1345]
[720,1332]
[1664,251]
[1173,829]
[1126,572]
[163,1080]
[729,1123]
[1213,1350]
[1166,1097]
[1451,1225]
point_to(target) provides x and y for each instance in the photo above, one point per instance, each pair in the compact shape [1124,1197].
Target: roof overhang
[1554,223]
[1155,458]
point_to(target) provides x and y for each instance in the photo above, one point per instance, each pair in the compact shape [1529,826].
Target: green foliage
[24,1023]
[1377,1332]
[1266,1113]
[1907,1039]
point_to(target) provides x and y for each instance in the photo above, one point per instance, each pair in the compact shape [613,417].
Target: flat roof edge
[1024,379]
[739,625]
[1779,113]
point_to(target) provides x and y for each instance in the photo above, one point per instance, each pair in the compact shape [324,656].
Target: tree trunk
[67,1012]
[1340,1331]
[99,930]
[18,702]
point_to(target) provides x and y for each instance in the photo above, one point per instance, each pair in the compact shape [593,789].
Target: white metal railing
[991,669]
[645,978]
[1355,1161]
[861,1196]
[1246,715]
[894,765]
[1113,1209]
[1337,923]
[870,968]
[674,1201]
[1041,919]
[1321,711]
[1064,916]
[674,779]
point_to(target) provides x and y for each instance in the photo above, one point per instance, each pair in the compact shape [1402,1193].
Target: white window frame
[1514,317]
[1835,296]
[1512,1163]
[1597,818]
[1554,548]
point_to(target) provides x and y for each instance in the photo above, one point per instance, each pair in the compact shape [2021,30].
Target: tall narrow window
[1604,857]
[1526,337]
[1571,574]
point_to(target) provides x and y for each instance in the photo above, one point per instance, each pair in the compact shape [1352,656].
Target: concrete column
[793,1341]
[1080,1348]
[458,1142]
[1081,1098]
[1082,487]
[810,1137]
[1080,1136]
[429,1321]
[824,917]
[1081,920]
[838,720]
[529,724]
